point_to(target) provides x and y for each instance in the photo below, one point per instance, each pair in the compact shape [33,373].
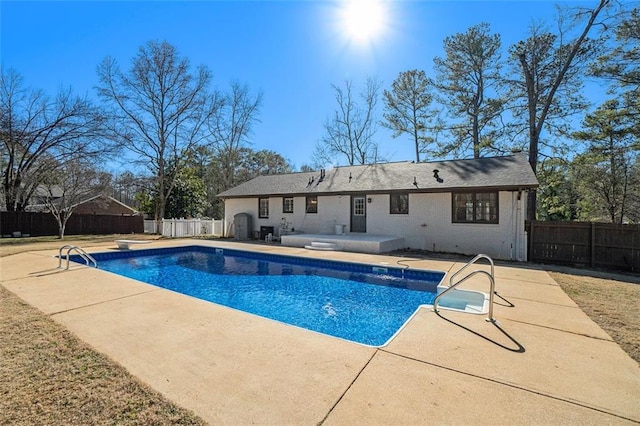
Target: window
[475,207]
[263,208]
[312,204]
[399,204]
[359,208]
[287,205]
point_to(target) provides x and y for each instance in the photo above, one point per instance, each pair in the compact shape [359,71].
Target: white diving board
[126,244]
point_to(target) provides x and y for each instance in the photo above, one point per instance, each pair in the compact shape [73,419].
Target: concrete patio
[544,361]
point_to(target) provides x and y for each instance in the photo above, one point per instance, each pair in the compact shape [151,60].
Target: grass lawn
[610,300]
[48,376]
[9,246]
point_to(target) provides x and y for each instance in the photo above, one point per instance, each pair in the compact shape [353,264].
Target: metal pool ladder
[453,284]
[83,254]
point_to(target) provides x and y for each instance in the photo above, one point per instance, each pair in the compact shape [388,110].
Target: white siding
[428,226]
[332,210]
[441,234]
[239,205]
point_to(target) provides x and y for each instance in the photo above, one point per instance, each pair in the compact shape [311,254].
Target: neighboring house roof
[98,204]
[511,172]
[103,204]
[43,191]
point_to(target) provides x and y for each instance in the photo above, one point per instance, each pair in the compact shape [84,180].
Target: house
[458,206]
[104,204]
[98,215]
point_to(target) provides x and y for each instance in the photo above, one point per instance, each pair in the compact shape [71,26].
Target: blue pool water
[361,303]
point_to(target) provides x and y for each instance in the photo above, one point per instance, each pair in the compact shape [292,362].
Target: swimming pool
[362,303]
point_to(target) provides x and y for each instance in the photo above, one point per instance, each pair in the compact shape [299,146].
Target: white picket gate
[149,226]
[178,228]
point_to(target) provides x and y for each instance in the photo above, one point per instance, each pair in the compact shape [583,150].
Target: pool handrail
[471,262]
[452,285]
[83,254]
[60,254]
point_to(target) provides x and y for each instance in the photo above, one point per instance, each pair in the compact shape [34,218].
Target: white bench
[126,244]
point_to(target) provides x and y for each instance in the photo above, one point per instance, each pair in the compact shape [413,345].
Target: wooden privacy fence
[41,224]
[591,244]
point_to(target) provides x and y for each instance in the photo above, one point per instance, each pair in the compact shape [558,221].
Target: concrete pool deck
[544,361]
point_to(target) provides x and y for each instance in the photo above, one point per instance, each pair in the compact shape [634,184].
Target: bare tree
[39,132]
[551,67]
[407,108]
[125,187]
[350,131]
[466,76]
[231,128]
[159,109]
[68,185]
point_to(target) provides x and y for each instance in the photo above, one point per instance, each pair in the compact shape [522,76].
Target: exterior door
[358,213]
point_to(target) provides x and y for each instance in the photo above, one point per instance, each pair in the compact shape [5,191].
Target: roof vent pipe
[435,175]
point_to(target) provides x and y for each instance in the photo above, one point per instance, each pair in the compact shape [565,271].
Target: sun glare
[363,20]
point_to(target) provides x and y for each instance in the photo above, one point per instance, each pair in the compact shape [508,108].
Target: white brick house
[459,206]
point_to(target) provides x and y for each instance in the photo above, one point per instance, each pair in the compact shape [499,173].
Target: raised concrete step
[319,245]
[360,243]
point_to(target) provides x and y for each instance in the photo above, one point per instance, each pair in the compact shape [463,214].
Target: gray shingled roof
[503,173]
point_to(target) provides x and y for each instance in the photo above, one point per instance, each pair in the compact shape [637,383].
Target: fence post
[593,244]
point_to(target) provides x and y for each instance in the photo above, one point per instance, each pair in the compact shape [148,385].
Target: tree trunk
[416,137]
[162,207]
[536,122]
[417,141]
[10,196]
[476,137]
[62,225]
[532,197]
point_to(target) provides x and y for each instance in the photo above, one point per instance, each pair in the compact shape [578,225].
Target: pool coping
[544,356]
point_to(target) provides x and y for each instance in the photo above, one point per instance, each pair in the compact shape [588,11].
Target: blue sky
[291,51]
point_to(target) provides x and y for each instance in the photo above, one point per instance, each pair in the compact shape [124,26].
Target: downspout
[514,239]
[521,244]
[225,232]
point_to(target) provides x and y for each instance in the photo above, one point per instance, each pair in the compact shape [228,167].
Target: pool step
[319,245]
[472,302]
